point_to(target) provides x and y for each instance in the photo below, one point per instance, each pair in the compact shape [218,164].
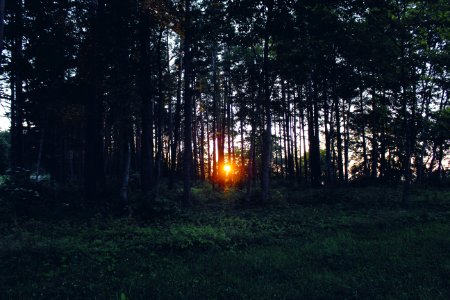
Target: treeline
[318,92]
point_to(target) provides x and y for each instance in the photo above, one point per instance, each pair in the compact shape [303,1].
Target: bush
[22,194]
[4,151]
[188,236]
[153,205]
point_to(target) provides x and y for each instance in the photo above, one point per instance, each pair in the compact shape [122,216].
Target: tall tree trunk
[313,128]
[347,140]
[242,158]
[305,157]
[327,144]
[221,143]
[251,160]
[17,89]
[145,87]
[404,103]
[281,146]
[363,132]
[208,144]
[215,117]
[374,168]
[195,149]
[317,168]
[298,170]
[126,166]
[94,164]
[332,143]
[160,112]
[420,164]
[120,17]
[290,146]
[187,161]
[202,146]
[177,122]
[39,158]
[221,138]
[283,135]
[228,100]
[339,140]
[267,139]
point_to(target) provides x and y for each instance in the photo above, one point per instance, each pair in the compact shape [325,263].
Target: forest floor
[312,244]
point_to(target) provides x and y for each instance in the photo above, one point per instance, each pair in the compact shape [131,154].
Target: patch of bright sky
[4,121]
[4,106]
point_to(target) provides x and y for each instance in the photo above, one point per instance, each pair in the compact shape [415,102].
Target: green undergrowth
[289,249]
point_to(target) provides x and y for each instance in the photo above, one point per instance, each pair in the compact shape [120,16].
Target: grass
[342,244]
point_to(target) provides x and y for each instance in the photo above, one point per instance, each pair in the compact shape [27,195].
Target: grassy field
[340,244]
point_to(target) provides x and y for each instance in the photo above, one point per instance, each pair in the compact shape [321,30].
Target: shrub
[154,204]
[22,194]
[4,151]
[187,236]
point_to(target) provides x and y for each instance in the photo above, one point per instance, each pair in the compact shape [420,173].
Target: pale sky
[4,105]
[4,121]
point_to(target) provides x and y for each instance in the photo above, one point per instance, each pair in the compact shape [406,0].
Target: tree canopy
[142,93]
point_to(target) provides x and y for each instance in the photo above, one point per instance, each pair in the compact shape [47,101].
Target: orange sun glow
[227,168]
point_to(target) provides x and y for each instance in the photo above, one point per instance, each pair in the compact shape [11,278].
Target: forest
[210,149]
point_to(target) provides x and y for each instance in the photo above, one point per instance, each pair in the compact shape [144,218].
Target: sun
[227,168]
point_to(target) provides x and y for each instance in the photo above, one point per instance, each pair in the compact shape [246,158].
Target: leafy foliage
[4,151]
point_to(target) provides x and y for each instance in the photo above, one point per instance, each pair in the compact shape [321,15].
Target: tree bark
[145,87]
[94,164]
[363,132]
[347,141]
[160,113]
[374,168]
[327,144]
[187,160]
[339,140]
[177,122]
[305,157]
[314,141]
[267,135]
[202,146]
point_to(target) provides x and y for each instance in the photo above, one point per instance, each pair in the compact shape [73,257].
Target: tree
[187,160]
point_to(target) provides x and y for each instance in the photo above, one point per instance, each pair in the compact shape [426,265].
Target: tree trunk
[194,131]
[94,164]
[313,128]
[160,113]
[317,168]
[202,146]
[290,143]
[17,89]
[374,168]
[177,122]
[187,161]
[339,140]
[363,131]
[145,87]
[267,135]
[347,141]
[126,161]
[298,170]
[39,158]
[327,144]
[305,157]
[215,117]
